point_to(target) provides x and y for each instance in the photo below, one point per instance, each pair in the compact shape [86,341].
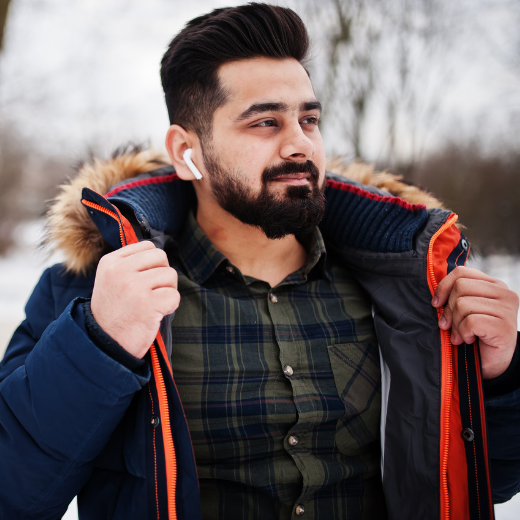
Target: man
[270,333]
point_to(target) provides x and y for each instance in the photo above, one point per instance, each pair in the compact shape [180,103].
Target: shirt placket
[293,365]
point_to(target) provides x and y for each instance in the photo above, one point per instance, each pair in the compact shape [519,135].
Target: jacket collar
[362,205]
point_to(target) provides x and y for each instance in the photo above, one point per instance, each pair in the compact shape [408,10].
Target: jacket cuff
[108,345]
[507,382]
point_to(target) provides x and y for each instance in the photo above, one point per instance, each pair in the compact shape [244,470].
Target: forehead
[264,80]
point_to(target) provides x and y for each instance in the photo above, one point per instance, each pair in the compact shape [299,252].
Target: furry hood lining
[70,230]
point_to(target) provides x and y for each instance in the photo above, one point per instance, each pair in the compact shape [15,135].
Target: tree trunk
[4,5]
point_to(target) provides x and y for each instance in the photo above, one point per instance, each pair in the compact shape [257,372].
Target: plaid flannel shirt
[280,386]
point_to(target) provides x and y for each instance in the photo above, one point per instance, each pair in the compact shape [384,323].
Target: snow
[20,271]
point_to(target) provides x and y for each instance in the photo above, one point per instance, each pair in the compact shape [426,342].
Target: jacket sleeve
[61,397]
[503,420]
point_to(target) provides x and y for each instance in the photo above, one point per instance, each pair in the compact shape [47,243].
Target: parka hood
[70,230]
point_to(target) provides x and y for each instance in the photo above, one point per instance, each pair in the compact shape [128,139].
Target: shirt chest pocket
[357,377]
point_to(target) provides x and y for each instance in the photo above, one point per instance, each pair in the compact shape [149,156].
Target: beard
[296,212]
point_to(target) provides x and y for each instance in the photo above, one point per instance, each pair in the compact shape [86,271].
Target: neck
[248,248]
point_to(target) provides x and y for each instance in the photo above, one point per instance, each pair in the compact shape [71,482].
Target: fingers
[473,326]
[133,290]
[159,277]
[136,257]
[469,317]
[446,285]
[167,300]
[472,297]
[479,306]
[132,249]
[147,259]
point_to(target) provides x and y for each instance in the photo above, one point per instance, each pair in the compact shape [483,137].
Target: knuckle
[159,254]
[459,271]
[471,321]
[460,305]
[501,283]
[459,285]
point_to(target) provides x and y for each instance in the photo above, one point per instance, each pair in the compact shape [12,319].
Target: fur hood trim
[70,230]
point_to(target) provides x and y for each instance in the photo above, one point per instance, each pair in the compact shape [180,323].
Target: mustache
[279,170]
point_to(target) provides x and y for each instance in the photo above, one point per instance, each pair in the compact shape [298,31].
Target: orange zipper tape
[164,413]
[110,213]
[447,377]
[169,448]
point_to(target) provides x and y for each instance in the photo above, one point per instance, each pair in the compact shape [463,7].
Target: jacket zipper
[169,448]
[447,378]
[164,413]
[93,205]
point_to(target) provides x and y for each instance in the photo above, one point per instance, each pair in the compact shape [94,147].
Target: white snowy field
[20,271]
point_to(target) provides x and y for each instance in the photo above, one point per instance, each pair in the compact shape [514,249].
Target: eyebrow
[260,108]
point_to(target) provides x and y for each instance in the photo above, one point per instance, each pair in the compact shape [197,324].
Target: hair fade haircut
[189,68]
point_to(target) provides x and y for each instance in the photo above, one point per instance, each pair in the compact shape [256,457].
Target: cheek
[248,163]
[319,153]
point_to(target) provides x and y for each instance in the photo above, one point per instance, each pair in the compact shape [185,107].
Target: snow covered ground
[20,271]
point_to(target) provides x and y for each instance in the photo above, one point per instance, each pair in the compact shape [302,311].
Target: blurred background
[428,89]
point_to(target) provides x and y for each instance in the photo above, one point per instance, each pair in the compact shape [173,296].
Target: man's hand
[134,289]
[480,306]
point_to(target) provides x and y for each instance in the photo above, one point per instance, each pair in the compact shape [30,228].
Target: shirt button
[273,298]
[293,440]
[288,371]
[230,269]
[299,510]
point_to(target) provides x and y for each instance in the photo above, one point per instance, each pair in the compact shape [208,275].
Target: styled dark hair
[189,68]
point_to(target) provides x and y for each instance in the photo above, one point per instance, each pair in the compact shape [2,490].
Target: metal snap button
[299,510]
[464,244]
[230,269]
[293,440]
[288,371]
[467,434]
[273,298]
[155,421]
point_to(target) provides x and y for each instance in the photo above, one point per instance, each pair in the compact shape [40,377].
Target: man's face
[265,157]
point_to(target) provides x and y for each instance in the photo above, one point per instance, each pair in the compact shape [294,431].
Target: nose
[296,146]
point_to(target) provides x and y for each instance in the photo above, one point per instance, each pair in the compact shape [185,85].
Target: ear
[178,140]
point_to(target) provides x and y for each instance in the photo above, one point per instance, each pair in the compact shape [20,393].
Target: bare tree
[4,6]
[376,65]
[350,38]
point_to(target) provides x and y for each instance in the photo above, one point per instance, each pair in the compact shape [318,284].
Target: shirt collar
[201,258]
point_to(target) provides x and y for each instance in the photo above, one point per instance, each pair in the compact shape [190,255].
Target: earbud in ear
[189,163]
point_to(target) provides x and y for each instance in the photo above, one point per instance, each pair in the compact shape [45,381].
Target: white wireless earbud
[189,163]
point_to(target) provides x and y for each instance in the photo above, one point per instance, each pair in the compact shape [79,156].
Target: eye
[267,123]
[311,120]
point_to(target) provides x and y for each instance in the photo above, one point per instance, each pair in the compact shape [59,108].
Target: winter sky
[85,74]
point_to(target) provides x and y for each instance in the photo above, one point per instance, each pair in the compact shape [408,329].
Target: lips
[296,178]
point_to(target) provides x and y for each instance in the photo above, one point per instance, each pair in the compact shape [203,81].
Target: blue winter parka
[75,421]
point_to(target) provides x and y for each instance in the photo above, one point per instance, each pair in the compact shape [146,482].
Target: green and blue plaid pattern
[280,386]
